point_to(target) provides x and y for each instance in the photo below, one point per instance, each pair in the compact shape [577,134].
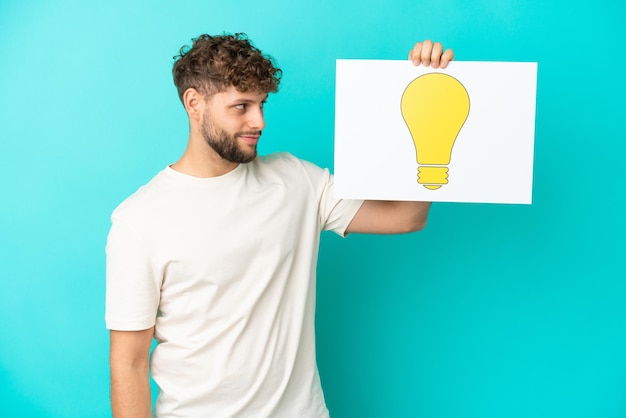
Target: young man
[215,257]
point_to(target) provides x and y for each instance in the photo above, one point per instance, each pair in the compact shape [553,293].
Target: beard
[226,145]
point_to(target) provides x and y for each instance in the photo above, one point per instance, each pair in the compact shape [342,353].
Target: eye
[241,106]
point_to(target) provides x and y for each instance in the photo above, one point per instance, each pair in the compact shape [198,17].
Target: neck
[200,160]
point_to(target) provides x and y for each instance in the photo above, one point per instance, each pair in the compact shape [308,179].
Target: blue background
[492,311]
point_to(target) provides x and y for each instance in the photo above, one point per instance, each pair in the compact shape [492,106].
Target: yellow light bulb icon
[434,106]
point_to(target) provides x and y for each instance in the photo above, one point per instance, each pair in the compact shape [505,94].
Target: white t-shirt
[224,268]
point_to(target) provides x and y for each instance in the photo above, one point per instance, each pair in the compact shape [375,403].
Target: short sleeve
[132,287]
[334,214]
[337,213]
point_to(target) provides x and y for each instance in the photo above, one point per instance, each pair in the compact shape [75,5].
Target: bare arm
[383,217]
[130,385]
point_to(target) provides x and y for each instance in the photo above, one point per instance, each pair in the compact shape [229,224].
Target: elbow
[418,225]
[416,221]
[414,225]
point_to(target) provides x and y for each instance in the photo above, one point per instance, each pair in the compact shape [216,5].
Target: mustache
[246,133]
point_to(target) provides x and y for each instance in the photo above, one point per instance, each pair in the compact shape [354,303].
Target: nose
[256,120]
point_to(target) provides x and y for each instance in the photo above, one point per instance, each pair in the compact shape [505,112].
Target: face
[232,124]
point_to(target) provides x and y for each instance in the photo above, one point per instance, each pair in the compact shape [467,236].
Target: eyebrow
[244,100]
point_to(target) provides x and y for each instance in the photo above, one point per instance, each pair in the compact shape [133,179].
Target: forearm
[130,392]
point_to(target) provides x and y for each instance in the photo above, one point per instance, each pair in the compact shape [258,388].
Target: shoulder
[300,177]
[147,196]
[288,164]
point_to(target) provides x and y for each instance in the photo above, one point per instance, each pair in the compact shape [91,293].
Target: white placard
[490,155]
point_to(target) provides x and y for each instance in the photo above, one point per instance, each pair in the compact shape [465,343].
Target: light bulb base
[432,177]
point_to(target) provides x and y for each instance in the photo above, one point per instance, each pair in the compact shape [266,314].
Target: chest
[233,240]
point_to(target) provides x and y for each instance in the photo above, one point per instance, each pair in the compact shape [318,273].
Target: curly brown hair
[214,63]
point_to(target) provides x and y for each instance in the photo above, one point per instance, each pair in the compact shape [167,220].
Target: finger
[447,57]
[427,49]
[415,53]
[435,56]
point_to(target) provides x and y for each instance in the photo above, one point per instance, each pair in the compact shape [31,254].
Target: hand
[430,54]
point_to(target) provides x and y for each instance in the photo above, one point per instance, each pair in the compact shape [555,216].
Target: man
[215,257]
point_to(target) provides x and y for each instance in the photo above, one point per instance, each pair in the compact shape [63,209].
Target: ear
[194,103]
